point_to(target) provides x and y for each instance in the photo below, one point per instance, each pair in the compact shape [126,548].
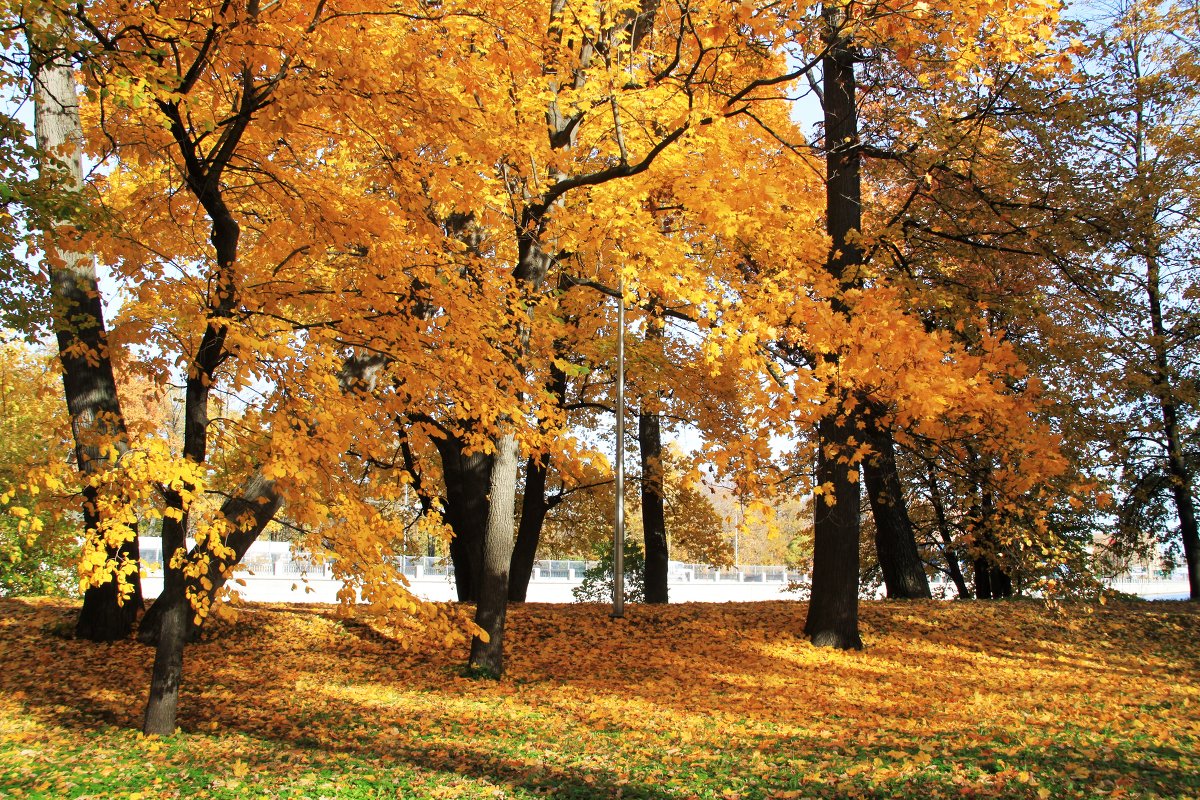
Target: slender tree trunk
[468,478]
[529,533]
[89,386]
[258,502]
[1182,479]
[903,571]
[534,505]
[487,658]
[172,629]
[248,514]
[162,704]
[654,521]
[948,549]
[833,612]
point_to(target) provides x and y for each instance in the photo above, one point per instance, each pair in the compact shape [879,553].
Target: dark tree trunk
[896,546]
[89,386]
[534,506]
[487,658]
[1177,467]
[248,514]
[529,533]
[654,521]
[948,550]
[983,578]
[468,478]
[162,704]
[1001,582]
[833,612]
[175,612]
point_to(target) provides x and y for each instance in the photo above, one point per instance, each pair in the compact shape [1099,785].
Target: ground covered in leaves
[711,701]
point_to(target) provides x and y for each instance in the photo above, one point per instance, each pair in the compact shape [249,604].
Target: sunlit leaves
[703,700]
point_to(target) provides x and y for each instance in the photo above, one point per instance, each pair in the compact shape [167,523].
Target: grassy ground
[712,701]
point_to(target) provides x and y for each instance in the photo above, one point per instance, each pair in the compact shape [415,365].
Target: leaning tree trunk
[487,657]
[468,478]
[534,507]
[248,515]
[89,386]
[949,551]
[654,521]
[896,546]
[833,612]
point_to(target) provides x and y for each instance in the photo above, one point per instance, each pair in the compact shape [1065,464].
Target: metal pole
[618,609]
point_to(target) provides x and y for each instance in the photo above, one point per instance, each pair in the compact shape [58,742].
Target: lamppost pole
[618,603]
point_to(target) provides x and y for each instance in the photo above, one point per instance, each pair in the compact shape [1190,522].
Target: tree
[113,598]
[37,549]
[1134,165]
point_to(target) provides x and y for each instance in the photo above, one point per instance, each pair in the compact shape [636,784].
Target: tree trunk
[534,505]
[468,478]
[529,533]
[259,502]
[249,513]
[173,629]
[948,550]
[162,704]
[654,521]
[903,571]
[983,578]
[833,612]
[1181,475]
[89,386]
[487,658]
[1002,585]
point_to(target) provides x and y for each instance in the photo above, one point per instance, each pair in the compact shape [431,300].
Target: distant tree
[38,548]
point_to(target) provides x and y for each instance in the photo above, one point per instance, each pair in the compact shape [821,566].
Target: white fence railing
[274,564]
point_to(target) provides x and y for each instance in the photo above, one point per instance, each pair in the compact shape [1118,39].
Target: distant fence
[277,559]
[272,571]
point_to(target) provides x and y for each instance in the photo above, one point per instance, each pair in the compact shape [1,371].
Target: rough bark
[167,672]
[487,658]
[468,478]
[654,521]
[89,386]
[895,544]
[534,507]
[833,612]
